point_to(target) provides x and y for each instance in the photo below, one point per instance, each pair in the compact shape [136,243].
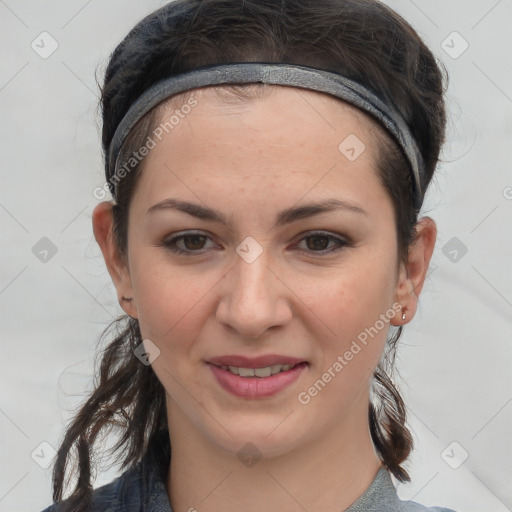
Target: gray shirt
[381,496]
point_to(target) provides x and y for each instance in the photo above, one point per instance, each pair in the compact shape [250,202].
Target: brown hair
[361,39]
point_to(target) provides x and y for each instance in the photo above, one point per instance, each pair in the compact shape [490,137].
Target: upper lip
[254,362]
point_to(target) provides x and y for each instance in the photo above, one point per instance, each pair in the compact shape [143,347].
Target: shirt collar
[379,497]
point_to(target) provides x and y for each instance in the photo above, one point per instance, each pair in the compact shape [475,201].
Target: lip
[257,387]
[255,362]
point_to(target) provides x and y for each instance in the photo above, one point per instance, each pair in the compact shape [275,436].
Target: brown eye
[195,241]
[319,242]
[187,244]
[323,243]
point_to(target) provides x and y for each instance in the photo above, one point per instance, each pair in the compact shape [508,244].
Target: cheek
[346,361]
[171,302]
[356,305]
[352,298]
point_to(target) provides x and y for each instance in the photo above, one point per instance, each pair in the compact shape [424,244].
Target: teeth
[263,372]
[246,372]
[267,371]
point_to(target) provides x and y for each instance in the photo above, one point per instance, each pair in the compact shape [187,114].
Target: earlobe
[102,223]
[413,273]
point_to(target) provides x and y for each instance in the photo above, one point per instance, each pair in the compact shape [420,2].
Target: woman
[237,136]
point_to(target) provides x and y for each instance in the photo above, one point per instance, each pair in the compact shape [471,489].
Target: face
[277,280]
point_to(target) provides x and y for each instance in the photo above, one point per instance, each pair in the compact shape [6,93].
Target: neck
[326,474]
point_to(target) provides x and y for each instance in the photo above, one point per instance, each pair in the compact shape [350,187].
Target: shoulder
[381,496]
[140,487]
[123,494]
[412,506]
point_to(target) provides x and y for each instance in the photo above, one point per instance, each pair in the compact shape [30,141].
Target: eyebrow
[286,216]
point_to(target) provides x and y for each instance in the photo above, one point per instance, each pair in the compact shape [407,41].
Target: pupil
[316,245]
[195,241]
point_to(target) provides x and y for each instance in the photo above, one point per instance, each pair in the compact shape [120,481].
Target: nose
[254,299]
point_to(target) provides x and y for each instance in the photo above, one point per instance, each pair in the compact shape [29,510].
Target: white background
[455,357]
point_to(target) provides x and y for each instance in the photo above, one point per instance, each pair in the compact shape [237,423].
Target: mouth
[259,377]
[265,371]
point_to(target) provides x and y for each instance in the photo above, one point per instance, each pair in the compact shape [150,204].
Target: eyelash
[170,243]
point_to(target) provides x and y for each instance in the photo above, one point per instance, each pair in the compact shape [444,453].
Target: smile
[256,383]
[266,371]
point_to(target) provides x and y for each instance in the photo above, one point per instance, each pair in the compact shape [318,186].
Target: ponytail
[127,396]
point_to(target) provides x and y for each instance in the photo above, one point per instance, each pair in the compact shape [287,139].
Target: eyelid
[170,241]
[342,241]
[322,232]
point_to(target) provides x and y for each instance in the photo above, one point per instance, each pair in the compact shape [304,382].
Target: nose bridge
[252,299]
[252,278]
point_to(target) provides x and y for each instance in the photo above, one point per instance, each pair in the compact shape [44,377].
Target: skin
[250,160]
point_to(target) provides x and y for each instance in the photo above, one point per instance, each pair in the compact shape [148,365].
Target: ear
[412,274]
[102,224]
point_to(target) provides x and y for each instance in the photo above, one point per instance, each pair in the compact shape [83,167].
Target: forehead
[266,113]
[291,136]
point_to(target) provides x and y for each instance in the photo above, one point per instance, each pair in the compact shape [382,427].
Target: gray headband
[276,74]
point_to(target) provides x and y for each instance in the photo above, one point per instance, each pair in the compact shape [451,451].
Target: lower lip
[256,387]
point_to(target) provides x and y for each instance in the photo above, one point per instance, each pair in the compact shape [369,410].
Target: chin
[267,438]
